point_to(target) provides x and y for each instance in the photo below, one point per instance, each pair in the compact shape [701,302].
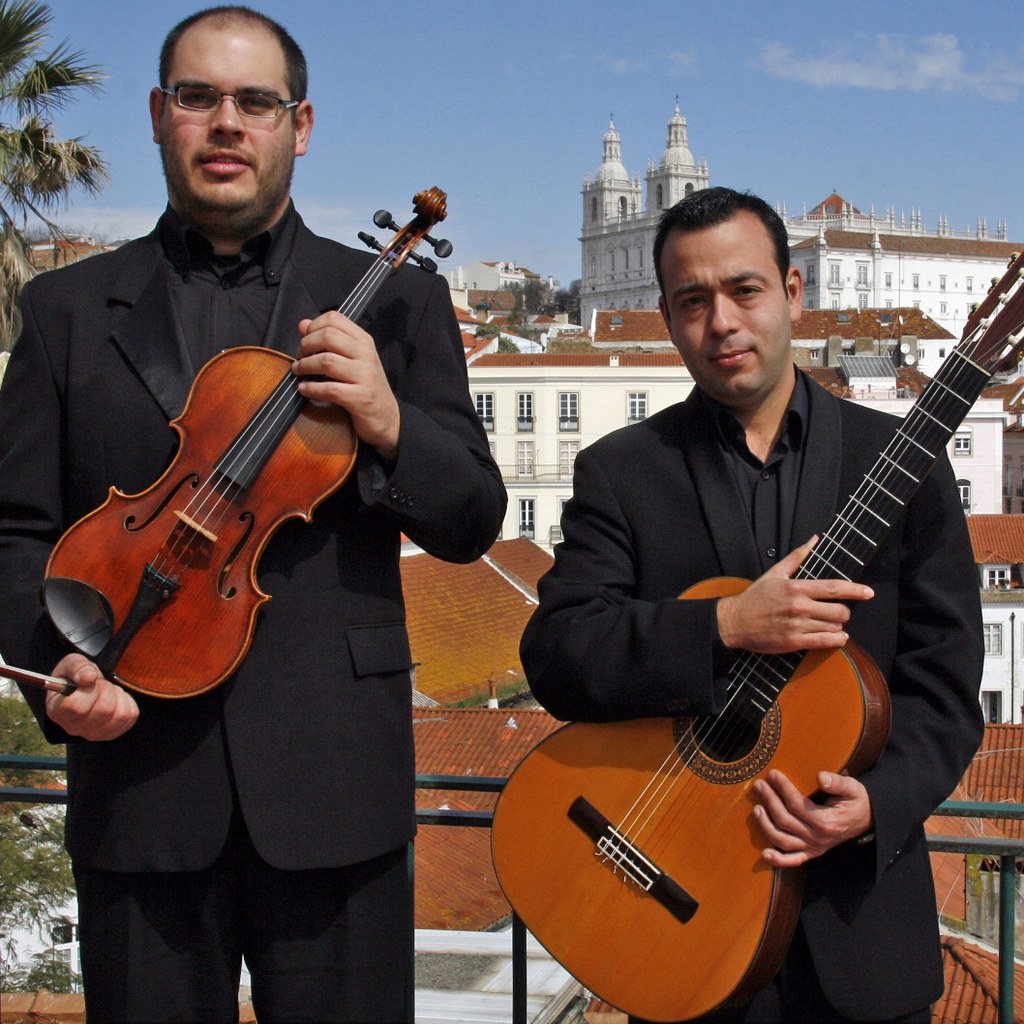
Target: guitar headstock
[993,337]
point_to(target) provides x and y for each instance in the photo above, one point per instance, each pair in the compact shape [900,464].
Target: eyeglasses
[248,102]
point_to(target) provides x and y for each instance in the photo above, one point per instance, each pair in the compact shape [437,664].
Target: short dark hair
[711,206]
[296,73]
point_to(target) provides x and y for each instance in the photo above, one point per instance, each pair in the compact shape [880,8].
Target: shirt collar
[730,432]
[187,247]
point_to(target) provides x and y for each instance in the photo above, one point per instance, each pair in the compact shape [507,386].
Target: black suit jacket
[313,732]
[656,510]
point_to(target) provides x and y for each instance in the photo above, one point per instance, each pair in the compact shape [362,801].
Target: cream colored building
[539,411]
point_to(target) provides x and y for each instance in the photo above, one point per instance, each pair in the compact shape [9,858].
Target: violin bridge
[188,521]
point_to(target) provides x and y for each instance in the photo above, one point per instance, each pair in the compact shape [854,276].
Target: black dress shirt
[224,301]
[768,488]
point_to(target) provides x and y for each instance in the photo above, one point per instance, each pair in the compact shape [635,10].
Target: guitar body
[689,812]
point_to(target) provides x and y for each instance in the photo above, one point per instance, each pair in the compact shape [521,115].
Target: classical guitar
[629,849]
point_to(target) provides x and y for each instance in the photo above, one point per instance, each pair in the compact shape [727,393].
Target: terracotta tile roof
[986,248]
[1010,393]
[629,326]
[473,345]
[520,558]
[497,301]
[997,538]
[833,205]
[456,886]
[908,379]
[995,775]
[663,357]
[971,992]
[483,616]
[475,742]
[820,324]
[996,772]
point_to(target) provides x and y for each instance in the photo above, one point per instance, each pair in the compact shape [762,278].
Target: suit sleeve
[444,489]
[935,674]
[31,515]
[604,644]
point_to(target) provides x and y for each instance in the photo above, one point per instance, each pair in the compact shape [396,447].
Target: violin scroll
[431,208]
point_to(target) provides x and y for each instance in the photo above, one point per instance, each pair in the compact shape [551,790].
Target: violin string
[211,498]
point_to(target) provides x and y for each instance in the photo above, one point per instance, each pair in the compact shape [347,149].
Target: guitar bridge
[626,857]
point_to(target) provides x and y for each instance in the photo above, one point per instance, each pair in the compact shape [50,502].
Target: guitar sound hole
[726,749]
[729,739]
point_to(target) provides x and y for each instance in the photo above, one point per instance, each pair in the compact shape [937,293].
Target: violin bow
[43,682]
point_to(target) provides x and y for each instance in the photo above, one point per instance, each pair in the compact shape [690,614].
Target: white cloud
[890,62]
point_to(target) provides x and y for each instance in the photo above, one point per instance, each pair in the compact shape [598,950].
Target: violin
[159,588]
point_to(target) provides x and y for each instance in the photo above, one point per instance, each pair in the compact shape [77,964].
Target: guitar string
[746,667]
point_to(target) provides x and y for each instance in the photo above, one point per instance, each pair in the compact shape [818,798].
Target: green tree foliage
[38,170]
[46,971]
[35,873]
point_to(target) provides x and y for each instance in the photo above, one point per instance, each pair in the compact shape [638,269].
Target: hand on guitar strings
[798,827]
[98,709]
[777,614]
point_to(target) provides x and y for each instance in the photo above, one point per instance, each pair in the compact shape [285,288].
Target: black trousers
[792,997]
[321,946]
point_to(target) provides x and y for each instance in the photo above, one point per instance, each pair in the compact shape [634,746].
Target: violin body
[193,539]
[159,588]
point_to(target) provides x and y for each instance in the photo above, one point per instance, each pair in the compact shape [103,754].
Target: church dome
[612,168]
[677,151]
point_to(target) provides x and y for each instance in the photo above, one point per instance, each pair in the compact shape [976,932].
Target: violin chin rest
[81,613]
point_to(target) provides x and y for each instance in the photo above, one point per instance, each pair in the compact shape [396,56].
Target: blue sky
[916,105]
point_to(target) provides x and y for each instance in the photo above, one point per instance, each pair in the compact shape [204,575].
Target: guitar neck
[993,340]
[850,542]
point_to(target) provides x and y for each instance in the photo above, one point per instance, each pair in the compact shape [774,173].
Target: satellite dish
[905,347]
[909,360]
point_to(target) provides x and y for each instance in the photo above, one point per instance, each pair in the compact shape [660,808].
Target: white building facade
[619,226]
[539,411]
[849,259]
[944,277]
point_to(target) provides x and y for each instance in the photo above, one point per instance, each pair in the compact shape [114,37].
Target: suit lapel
[818,496]
[158,354]
[719,497]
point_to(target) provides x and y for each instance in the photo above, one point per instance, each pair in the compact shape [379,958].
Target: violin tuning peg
[428,264]
[442,247]
[383,219]
[369,240]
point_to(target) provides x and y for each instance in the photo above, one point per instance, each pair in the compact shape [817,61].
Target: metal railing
[1008,851]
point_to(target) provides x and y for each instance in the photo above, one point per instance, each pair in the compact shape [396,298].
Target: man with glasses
[268,818]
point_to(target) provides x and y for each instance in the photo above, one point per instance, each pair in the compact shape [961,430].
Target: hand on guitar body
[98,709]
[334,347]
[801,827]
[777,614]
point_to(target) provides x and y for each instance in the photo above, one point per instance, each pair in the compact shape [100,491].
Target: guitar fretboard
[845,549]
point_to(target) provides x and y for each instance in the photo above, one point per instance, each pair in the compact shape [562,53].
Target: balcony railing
[532,471]
[1009,851]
